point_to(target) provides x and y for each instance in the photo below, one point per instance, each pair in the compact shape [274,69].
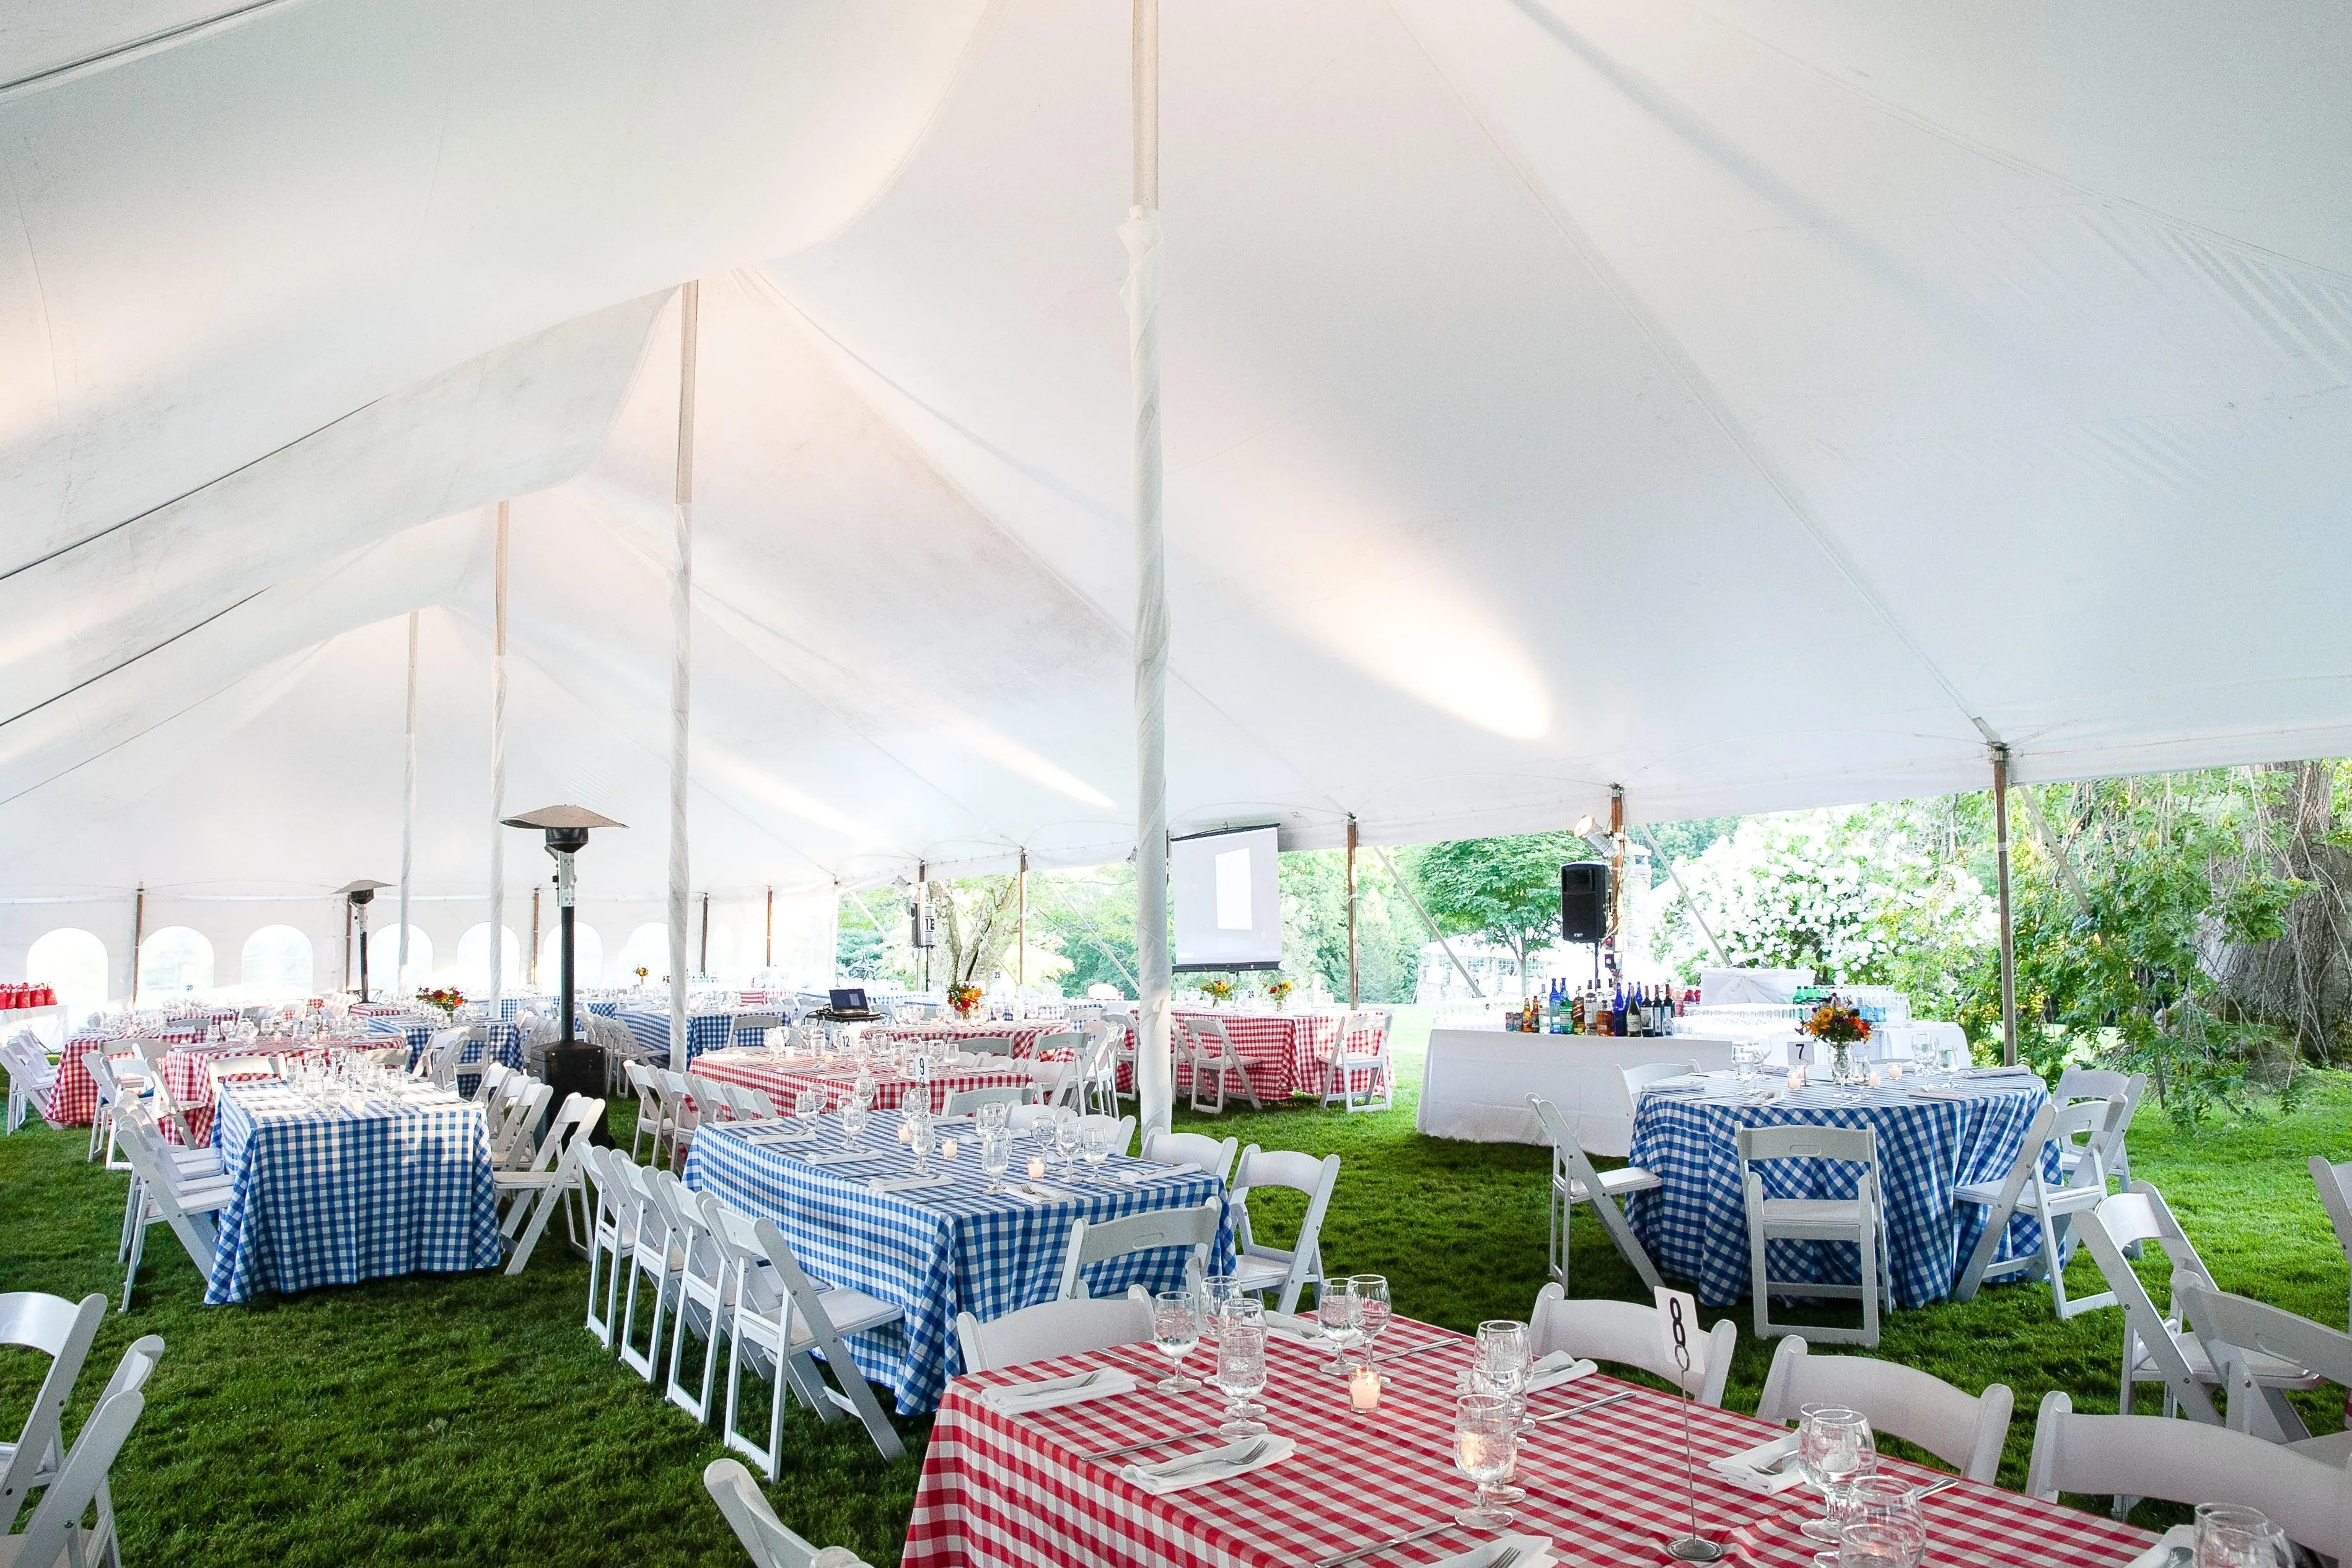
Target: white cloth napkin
[885,1184]
[1534,1552]
[1749,1468]
[1559,1367]
[1052,1392]
[1927,1093]
[1176,1475]
[1294,1325]
[1135,1174]
[2180,1536]
[771,1133]
[853,1157]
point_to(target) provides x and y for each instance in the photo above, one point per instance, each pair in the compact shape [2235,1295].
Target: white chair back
[1213,1058]
[755,1524]
[1626,1333]
[2123,1220]
[1574,1180]
[2335,1184]
[1093,1243]
[1120,1128]
[2188,1462]
[964,1102]
[1301,1265]
[63,1330]
[59,1518]
[1966,1431]
[1052,1328]
[2235,1332]
[1214,1156]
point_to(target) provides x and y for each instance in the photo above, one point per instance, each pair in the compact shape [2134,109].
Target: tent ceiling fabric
[1756,405]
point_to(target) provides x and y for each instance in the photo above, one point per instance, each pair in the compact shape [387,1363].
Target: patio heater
[572,1067]
[361,893]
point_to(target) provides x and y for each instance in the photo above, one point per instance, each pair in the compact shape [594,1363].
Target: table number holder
[1676,1312]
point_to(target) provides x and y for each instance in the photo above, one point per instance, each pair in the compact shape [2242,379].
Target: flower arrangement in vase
[1218,991]
[642,972]
[448,998]
[965,1000]
[1841,1029]
[1278,992]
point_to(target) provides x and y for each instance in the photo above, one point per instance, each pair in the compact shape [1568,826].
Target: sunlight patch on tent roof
[717,766]
[1014,757]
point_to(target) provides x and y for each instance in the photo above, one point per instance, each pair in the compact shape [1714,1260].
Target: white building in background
[1495,969]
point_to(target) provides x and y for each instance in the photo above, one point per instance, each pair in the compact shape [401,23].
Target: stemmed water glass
[1098,1140]
[1485,1450]
[1069,1137]
[1373,1289]
[1241,1373]
[1340,1312]
[995,1156]
[921,1137]
[1834,1449]
[1502,1363]
[2229,1535]
[808,1104]
[1879,1526]
[854,1112]
[1176,1328]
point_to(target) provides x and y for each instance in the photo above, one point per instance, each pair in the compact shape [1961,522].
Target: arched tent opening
[647,948]
[74,963]
[278,965]
[470,973]
[383,959]
[175,964]
[587,956]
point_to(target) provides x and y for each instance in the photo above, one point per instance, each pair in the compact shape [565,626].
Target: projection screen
[1227,906]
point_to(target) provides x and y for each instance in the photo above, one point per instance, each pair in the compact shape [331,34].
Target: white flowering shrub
[1857,895]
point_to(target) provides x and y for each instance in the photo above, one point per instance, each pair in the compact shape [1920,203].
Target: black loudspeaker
[1584,901]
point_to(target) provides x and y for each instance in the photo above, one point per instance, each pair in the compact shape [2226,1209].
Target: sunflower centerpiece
[1841,1029]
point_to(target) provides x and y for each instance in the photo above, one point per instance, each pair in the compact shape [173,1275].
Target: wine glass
[1834,1449]
[995,1156]
[1097,1136]
[1175,1328]
[1340,1312]
[1241,1374]
[1373,1289]
[808,1104]
[1217,1293]
[2229,1535]
[1880,1526]
[921,1137]
[1069,1137]
[1485,1450]
[854,1112]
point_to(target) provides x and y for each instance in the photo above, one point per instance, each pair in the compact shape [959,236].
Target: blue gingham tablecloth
[1695,1224]
[332,1197]
[941,1251]
[704,1031]
[506,1038]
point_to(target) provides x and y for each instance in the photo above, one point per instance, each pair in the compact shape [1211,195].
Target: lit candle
[1364,1389]
[1036,1168]
[946,1148]
[1796,1078]
[1875,1080]
[906,1132]
[1893,1070]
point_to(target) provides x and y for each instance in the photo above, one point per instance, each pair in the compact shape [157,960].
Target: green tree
[1089,919]
[1314,885]
[1505,891]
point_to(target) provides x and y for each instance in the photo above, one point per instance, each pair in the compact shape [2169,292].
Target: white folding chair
[1214,1156]
[55,1529]
[110,1090]
[510,1119]
[2129,1457]
[712,1103]
[1626,1333]
[804,1325]
[2335,1184]
[1212,1056]
[613,1233]
[1052,1328]
[2235,1332]
[679,1116]
[1258,1267]
[1098,1070]
[1574,1180]
[167,1197]
[1854,1220]
[705,1288]
[2059,1211]
[97,1543]
[63,1330]
[1361,1051]
[1147,1232]
[2105,1084]
[1964,1430]
[1120,1128]
[755,1524]
[486,1086]
[219,1070]
[658,1257]
[1640,1075]
[2161,1347]
[653,1114]
[986,1045]
[554,1181]
[31,1078]
[964,1102]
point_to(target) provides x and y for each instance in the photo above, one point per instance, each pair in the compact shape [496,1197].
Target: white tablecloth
[1477,1081]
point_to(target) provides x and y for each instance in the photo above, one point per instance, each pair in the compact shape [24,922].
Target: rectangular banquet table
[704,1031]
[1283,1054]
[1024,1034]
[187,1073]
[1475,1083]
[1695,1224]
[1011,1492]
[74,1099]
[782,1079]
[940,1250]
[361,1190]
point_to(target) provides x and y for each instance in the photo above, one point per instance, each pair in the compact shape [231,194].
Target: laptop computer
[847,1005]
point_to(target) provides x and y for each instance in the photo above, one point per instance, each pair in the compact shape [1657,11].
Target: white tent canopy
[1755,405]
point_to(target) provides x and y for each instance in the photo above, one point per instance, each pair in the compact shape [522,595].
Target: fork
[1247,1457]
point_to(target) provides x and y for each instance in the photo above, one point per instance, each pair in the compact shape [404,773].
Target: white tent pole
[681,613]
[498,765]
[1154,1073]
[2008,928]
[407,813]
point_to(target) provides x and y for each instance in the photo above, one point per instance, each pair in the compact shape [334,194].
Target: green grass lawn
[473,1420]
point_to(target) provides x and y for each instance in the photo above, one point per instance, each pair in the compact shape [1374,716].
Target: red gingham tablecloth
[186,1073]
[1283,1054]
[75,1098]
[783,1082]
[1024,1035]
[1010,1491]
